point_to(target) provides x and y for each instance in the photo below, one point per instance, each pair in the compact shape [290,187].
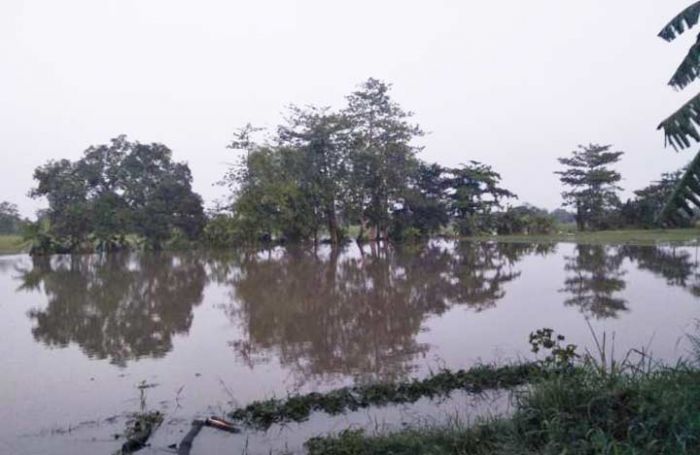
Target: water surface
[212,330]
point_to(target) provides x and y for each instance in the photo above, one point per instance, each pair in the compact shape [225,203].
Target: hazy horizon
[514,84]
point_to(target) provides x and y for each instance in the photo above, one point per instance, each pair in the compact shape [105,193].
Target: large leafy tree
[118,189]
[475,192]
[680,129]
[268,197]
[592,184]
[323,171]
[382,154]
[424,207]
[321,140]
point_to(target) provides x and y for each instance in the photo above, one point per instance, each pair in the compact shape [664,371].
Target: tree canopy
[322,171]
[592,184]
[10,219]
[115,190]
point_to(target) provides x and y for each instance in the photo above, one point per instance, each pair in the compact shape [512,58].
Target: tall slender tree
[321,140]
[593,185]
[383,152]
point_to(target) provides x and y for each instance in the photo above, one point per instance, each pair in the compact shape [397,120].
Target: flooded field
[205,332]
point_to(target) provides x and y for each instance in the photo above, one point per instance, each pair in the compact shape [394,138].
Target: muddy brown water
[208,331]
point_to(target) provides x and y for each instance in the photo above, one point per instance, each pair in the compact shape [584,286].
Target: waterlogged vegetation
[593,406]
[606,237]
[297,408]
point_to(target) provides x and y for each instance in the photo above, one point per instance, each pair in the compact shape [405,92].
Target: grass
[623,236]
[297,408]
[596,407]
[12,244]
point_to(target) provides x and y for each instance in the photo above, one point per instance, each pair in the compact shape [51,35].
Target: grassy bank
[624,236]
[580,412]
[11,244]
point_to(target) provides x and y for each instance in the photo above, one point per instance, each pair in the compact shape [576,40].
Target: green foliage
[222,231]
[424,204]
[686,20]
[524,219]
[113,191]
[645,210]
[474,194]
[680,127]
[10,220]
[685,194]
[581,412]
[559,356]
[593,186]
[297,408]
[323,171]
[382,152]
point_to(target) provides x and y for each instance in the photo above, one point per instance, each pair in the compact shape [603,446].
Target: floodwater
[209,331]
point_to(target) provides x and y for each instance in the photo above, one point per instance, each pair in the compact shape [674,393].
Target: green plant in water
[297,408]
[560,355]
[598,406]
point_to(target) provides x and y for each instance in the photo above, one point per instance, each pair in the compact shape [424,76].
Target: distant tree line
[321,175]
[592,191]
[10,220]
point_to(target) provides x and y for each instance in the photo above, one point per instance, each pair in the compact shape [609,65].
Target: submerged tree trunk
[363,227]
[333,224]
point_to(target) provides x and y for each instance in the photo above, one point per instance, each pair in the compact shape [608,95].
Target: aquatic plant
[297,408]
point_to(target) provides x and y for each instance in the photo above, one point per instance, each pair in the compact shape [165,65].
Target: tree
[524,219]
[593,189]
[382,153]
[324,170]
[424,203]
[67,193]
[681,127]
[268,201]
[644,210]
[10,220]
[118,189]
[321,139]
[475,192]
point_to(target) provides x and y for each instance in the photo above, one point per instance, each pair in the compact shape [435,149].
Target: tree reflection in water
[360,314]
[118,307]
[594,281]
[675,264]
[352,312]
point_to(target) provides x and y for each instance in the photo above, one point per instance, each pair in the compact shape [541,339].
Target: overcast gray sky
[512,83]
